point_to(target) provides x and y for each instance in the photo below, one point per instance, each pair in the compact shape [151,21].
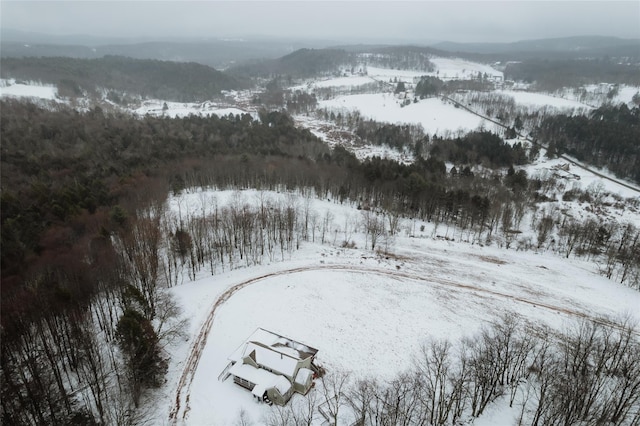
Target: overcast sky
[417,21]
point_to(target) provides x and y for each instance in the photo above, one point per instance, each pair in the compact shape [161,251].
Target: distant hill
[176,81]
[550,75]
[215,52]
[299,64]
[567,47]
[219,54]
[305,63]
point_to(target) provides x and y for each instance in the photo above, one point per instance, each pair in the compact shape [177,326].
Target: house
[272,367]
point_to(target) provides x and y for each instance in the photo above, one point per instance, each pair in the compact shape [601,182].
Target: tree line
[430,86]
[586,374]
[552,75]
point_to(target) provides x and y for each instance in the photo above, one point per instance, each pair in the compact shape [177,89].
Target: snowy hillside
[353,304]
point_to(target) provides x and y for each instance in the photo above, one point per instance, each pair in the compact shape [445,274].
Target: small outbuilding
[272,367]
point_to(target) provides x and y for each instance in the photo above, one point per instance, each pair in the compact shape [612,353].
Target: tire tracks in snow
[183,391]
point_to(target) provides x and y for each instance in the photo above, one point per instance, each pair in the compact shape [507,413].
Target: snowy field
[10,88]
[353,305]
[342,82]
[387,74]
[155,107]
[450,68]
[435,116]
[541,100]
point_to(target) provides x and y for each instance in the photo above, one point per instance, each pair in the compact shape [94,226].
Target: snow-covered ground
[452,68]
[387,74]
[349,81]
[354,306]
[435,116]
[12,89]
[578,177]
[367,313]
[155,107]
[328,132]
[542,99]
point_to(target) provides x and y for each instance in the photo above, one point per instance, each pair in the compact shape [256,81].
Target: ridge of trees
[481,147]
[299,64]
[304,63]
[430,86]
[174,81]
[551,75]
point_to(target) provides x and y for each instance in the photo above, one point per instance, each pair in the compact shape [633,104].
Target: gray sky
[418,21]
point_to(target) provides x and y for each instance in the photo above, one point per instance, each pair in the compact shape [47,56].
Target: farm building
[272,367]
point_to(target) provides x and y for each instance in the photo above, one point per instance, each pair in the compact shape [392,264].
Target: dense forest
[88,247]
[174,81]
[433,86]
[483,148]
[551,75]
[607,138]
[299,64]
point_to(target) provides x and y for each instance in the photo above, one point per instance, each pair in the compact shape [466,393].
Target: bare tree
[334,393]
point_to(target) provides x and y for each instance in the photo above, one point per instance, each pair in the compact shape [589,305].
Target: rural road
[564,157]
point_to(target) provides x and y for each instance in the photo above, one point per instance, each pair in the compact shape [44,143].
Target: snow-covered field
[368,313]
[449,68]
[349,81]
[542,99]
[156,108]
[12,89]
[435,116]
[387,74]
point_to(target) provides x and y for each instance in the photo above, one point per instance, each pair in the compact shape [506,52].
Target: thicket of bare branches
[587,374]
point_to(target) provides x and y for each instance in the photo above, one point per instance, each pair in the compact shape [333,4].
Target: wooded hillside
[175,81]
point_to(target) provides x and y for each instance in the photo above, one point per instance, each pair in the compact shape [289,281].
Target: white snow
[542,99]
[435,116]
[260,377]
[455,68]
[303,376]
[349,81]
[155,107]
[584,179]
[10,88]
[387,74]
[626,94]
[353,305]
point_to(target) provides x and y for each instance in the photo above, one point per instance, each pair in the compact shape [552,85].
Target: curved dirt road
[180,408]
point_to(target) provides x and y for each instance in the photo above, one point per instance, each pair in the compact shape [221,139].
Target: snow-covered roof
[271,359]
[263,379]
[282,384]
[276,343]
[303,376]
[259,390]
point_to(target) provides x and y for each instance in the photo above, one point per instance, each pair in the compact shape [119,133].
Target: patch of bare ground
[492,259]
